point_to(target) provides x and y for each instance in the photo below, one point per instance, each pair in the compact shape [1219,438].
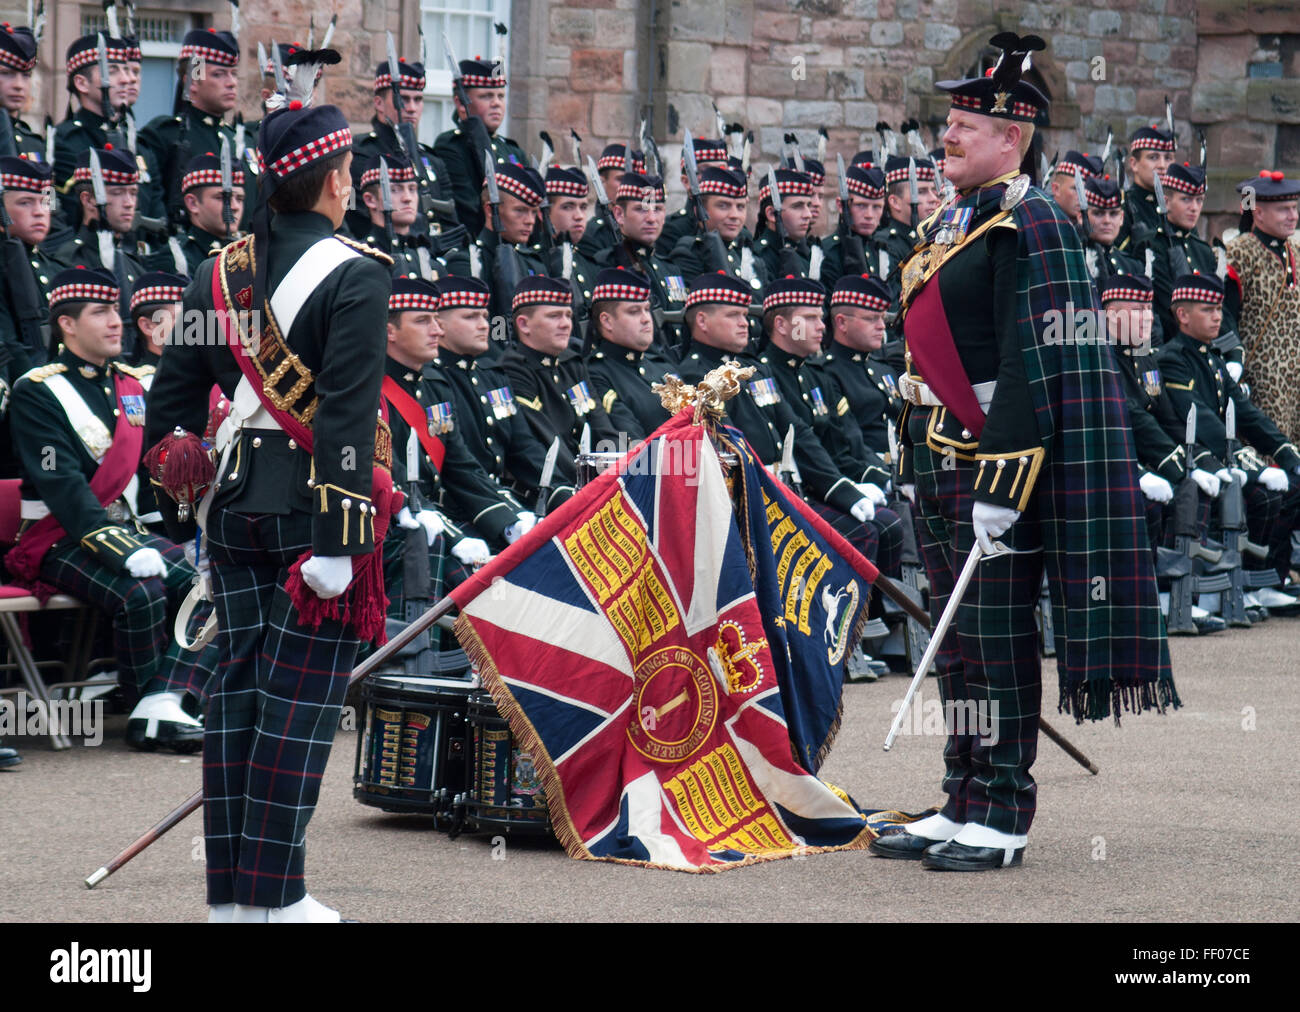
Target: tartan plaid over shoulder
[1112,651]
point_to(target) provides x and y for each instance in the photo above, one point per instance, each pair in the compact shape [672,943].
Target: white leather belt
[33,509]
[918,392]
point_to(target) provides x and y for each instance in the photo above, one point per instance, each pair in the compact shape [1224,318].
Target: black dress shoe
[9,757]
[901,845]
[1210,624]
[180,738]
[954,856]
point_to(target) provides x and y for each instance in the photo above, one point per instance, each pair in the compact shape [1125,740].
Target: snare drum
[505,790]
[592,465]
[412,751]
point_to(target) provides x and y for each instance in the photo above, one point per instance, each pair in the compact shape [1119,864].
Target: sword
[548,474]
[227,186]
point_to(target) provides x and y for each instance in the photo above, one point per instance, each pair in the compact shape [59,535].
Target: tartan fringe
[1099,698]
[363,606]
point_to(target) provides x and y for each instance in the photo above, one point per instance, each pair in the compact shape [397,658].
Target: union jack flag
[673,658]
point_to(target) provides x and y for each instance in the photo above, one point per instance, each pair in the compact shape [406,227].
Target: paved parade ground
[1192,818]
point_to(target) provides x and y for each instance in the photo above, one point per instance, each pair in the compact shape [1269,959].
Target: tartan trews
[272,719]
[990,676]
[140,611]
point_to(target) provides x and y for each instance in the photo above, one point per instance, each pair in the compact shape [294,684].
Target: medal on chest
[133,405]
[676,287]
[891,386]
[953,225]
[439,418]
[1151,382]
[580,397]
[502,401]
[818,401]
[764,392]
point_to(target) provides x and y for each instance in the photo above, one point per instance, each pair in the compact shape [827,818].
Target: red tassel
[180,466]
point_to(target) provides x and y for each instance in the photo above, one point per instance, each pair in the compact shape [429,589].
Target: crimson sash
[934,354]
[364,605]
[413,414]
[109,481]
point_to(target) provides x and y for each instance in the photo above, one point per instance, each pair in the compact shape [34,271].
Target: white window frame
[437,77]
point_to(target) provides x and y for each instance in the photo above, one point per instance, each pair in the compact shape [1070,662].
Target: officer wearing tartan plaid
[1012,432]
[67,416]
[286,530]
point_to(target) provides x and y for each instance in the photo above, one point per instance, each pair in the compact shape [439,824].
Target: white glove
[1156,488]
[431,521]
[471,551]
[991,522]
[909,490]
[1207,482]
[862,510]
[406,521]
[328,575]
[1234,370]
[144,563]
[1239,473]
[1272,478]
[526,522]
[873,492]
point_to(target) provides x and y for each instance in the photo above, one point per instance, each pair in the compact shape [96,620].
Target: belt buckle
[908,390]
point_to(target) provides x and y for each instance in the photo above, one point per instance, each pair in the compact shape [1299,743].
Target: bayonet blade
[1080,192]
[385,186]
[774,190]
[1159,188]
[97,182]
[1190,430]
[911,180]
[227,173]
[844,182]
[1230,421]
[692,172]
[597,186]
[584,441]
[490,177]
[548,465]
[277,68]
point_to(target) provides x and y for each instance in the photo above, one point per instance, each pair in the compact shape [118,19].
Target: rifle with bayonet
[472,126]
[409,145]
[1188,550]
[548,475]
[1177,256]
[853,253]
[788,256]
[507,271]
[714,248]
[915,636]
[602,199]
[789,469]
[417,657]
[109,257]
[1236,540]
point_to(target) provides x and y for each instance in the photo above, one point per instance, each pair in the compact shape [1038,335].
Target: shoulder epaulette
[369,251]
[138,371]
[43,372]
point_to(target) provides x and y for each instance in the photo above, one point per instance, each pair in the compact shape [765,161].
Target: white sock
[305,911]
[221,913]
[249,915]
[974,835]
[934,827]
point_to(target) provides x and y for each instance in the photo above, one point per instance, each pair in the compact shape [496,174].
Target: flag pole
[195,800]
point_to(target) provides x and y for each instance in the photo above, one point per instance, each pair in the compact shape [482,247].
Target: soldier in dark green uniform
[121,187]
[205,232]
[724,194]
[638,211]
[622,330]
[1105,219]
[522,191]
[896,234]
[17,61]
[1074,163]
[866,187]
[383,140]
[411,253]
[600,233]
[1177,245]
[550,382]
[75,422]
[1150,153]
[1196,374]
[483,403]
[24,292]
[709,154]
[89,126]
[198,123]
[486,88]
[449,495]
[793,319]
[566,217]
[869,386]
[796,193]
